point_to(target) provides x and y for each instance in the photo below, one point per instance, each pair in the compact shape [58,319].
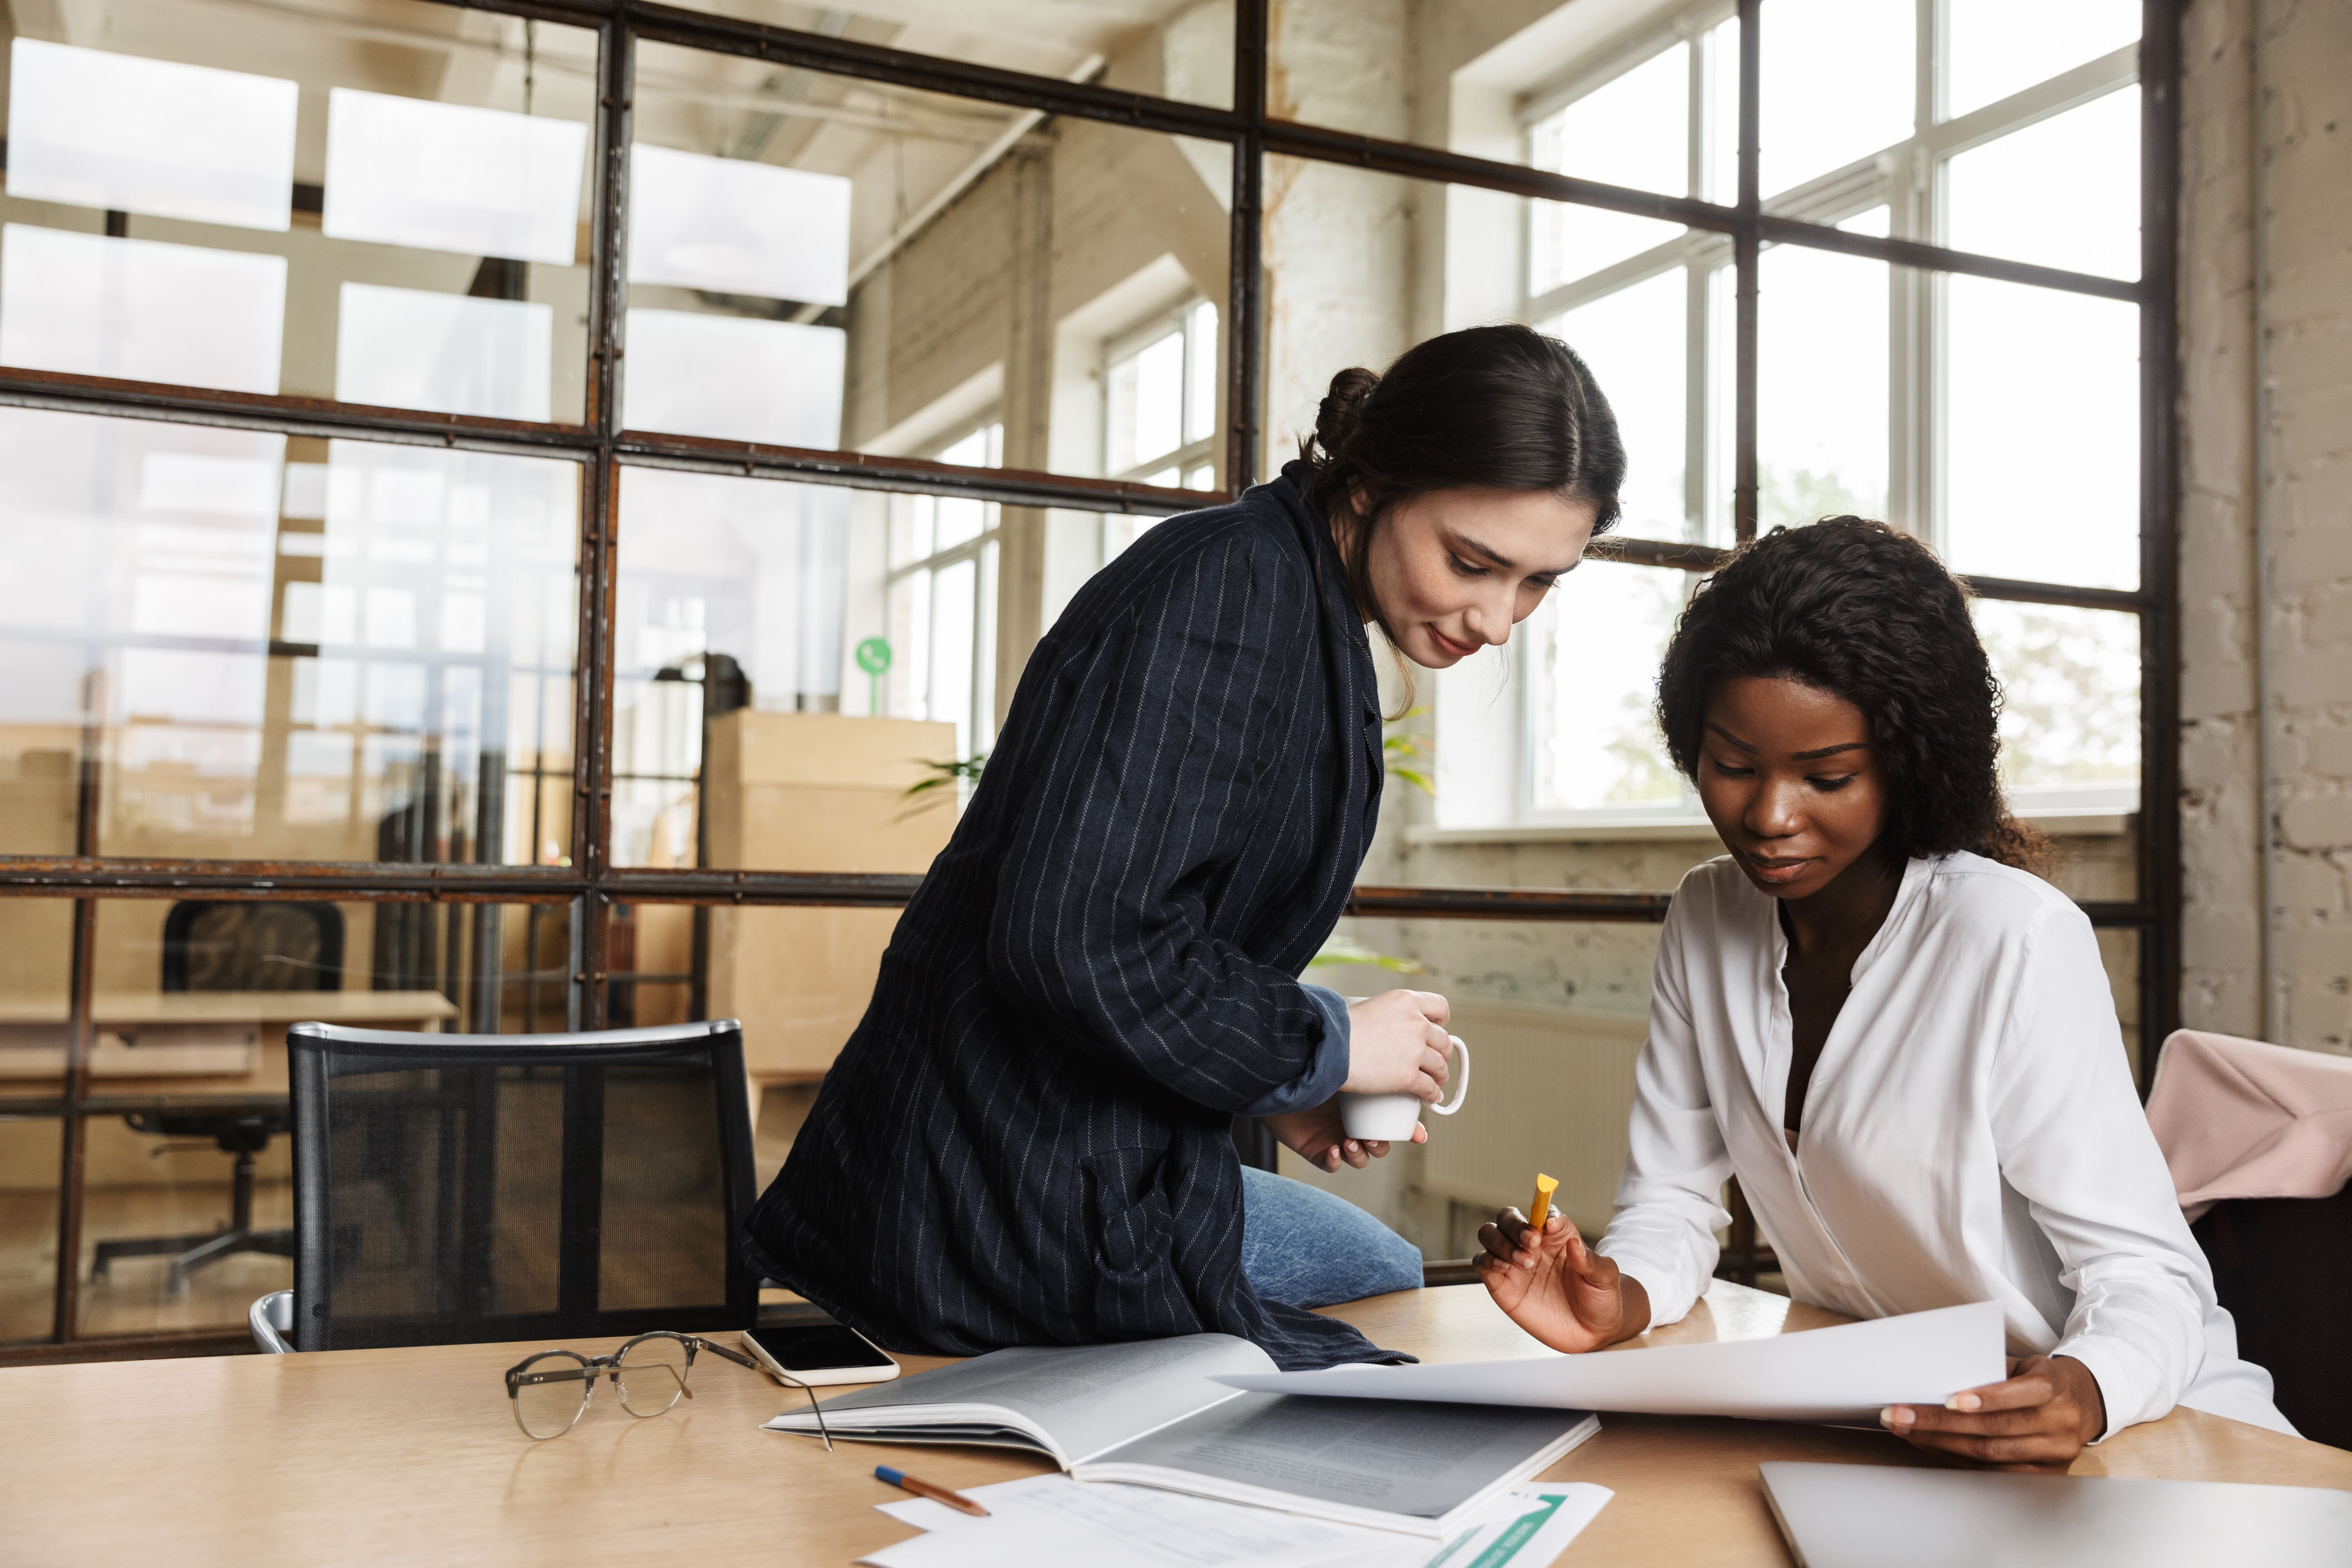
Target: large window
[1998,419]
[1160,391]
[501,514]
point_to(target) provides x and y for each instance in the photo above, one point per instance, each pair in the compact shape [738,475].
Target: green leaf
[1401,746]
[950,771]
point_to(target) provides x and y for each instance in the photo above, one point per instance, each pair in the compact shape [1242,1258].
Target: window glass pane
[910,685]
[914,523]
[2064,192]
[2070,704]
[2040,451]
[1598,641]
[115,131]
[1200,382]
[837,263]
[758,627]
[192,1000]
[293,650]
[1838,85]
[1996,47]
[1633,342]
[1632,130]
[35,948]
[722,582]
[1821,375]
[29,1153]
[141,311]
[954,592]
[1183,51]
[1478,79]
[305,207]
[1146,404]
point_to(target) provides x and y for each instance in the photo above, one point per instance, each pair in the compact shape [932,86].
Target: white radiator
[1549,1091]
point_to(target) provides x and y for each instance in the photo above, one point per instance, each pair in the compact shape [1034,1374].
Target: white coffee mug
[1392,1116]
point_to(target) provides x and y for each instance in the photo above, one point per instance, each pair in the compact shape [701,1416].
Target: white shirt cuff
[2129,1388]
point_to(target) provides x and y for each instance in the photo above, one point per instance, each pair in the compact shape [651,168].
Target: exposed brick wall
[2267,295]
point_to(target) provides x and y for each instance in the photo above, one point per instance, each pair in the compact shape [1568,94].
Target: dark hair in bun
[1503,408]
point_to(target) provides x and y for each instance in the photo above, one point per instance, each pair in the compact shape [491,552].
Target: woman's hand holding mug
[1396,1045]
[1387,1087]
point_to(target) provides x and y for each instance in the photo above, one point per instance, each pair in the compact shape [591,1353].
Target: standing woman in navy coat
[1028,1139]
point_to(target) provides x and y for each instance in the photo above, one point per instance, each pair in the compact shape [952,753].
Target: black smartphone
[819,1353]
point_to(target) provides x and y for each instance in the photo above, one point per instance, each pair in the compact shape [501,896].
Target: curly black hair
[1859,610]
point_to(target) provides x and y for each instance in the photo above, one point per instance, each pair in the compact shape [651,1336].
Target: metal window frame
[590,886]
[1907,177]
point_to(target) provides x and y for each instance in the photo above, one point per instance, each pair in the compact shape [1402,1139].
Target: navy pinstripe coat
[1028,1139]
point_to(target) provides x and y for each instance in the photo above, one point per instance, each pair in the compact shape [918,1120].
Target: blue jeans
[1305,1247]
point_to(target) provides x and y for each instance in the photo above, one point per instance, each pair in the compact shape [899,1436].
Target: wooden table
[412,1456]
[217,1044]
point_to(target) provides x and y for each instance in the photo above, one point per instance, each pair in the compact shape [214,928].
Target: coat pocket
[1131,1226]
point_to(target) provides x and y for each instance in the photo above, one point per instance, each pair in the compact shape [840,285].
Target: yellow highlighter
[1540,1210]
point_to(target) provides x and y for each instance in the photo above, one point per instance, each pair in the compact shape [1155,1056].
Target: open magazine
[1150,1412]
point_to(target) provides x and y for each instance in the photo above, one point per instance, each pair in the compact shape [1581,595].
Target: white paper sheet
[1052,1519]
[1526,1528]
[1846,1373]
[138,135]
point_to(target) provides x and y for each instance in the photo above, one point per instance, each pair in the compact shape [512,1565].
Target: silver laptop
[1870,1516]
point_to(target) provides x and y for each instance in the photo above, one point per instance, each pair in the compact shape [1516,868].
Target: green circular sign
[874,655]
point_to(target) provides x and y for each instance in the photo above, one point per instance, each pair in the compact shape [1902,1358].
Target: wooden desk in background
[412,1456]
[211,1043]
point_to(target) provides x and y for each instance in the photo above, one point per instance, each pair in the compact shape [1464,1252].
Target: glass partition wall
[526,517]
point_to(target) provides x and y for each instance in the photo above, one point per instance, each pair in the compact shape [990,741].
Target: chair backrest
[237,945]
[453,1189]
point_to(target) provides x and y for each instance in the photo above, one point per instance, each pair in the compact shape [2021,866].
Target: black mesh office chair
[453,1189]
[232,945]
[2282,1267]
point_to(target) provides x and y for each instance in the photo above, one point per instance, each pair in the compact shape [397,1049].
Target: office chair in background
[453,1189]
[233,946]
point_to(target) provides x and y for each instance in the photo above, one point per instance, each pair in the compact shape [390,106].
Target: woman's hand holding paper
[2037,1421]
[1559,1289]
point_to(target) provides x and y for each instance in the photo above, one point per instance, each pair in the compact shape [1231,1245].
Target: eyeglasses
[549,1391]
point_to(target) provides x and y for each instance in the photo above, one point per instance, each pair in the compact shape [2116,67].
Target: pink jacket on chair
[2239,1119]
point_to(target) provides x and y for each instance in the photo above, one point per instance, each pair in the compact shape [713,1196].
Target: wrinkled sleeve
[1675,1162]
[1326,1069]
[2076,1145]
[1137,811]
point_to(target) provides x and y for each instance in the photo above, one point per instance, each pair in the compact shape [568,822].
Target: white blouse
[1971,1134]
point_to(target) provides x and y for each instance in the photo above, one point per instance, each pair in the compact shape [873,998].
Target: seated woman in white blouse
[1898,1037]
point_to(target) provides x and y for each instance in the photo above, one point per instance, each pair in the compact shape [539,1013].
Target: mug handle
[1461,1089]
